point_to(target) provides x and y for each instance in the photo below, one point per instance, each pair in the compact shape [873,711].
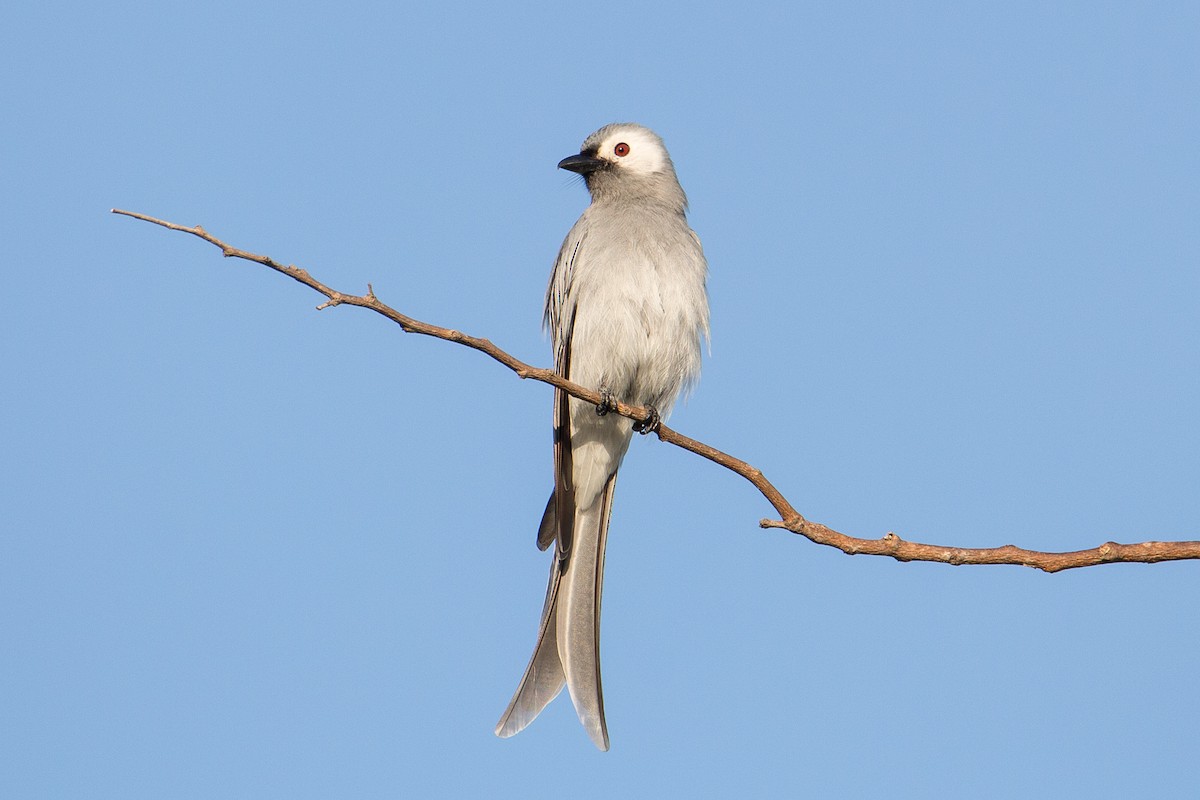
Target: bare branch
[890,545]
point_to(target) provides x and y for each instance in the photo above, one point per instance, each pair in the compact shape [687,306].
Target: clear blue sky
[254,550]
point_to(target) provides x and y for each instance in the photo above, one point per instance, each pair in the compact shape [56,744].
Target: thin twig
[890,545]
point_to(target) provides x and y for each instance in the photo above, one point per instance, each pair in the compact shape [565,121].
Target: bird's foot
[607,403]
[650,424]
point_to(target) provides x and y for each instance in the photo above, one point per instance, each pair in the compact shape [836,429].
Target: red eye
[622,149]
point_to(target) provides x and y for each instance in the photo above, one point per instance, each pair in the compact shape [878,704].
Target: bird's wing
[558,521]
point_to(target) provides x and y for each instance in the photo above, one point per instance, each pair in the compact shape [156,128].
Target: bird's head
[625,160]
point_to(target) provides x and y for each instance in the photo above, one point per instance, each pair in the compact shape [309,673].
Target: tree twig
[889,545]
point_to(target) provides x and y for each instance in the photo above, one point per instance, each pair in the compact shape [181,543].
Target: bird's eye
[622,149]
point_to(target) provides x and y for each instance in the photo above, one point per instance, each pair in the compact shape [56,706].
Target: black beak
[581,163]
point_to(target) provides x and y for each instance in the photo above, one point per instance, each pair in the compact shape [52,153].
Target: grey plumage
[626,308]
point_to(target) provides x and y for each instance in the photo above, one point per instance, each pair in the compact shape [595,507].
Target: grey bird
[626,309]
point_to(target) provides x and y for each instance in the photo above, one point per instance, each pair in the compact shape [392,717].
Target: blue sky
[256,550]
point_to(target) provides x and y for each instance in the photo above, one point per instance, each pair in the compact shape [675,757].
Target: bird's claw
[607,402]
[650,424]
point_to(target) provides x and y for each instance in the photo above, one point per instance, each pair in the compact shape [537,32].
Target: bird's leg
[650,425]
[608,401]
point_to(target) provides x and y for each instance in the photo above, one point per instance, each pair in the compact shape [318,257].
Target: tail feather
[568,644]
[578,616]
[544,677]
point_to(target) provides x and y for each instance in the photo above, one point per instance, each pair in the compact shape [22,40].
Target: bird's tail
[568,643]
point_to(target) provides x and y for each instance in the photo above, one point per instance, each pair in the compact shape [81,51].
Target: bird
[627,313]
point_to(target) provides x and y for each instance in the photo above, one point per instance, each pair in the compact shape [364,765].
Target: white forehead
[646,150]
